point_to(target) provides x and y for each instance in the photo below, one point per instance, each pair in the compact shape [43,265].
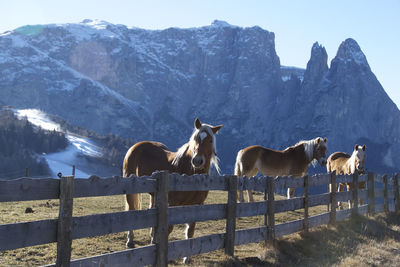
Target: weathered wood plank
[343,214]
[197,182]
[161,229]
[139,257]
[231,216]
[355,193]
[194,246]
[19,235]
[25,189]
[288,182]
[196,213]
[102,224]
[333,201]
[321,199]
[320,179]
[319,219]
[95,186]
[256,183]
[396,192]
[64,226]
[306,203]
[344,179]
[250,235]
[251,209]
[344,196]
[289,204]
[270,209]
[371,193]
[288,228]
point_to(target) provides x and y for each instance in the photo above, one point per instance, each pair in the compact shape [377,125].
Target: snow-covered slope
[64,160]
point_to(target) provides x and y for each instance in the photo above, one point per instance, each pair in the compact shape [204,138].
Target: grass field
[361,241]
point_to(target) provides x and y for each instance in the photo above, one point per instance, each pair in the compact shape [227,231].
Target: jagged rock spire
[317,65]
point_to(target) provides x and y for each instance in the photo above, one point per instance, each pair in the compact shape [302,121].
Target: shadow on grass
[326,245]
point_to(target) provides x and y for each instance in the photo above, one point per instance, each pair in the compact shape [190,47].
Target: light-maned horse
[293,161]
[343,163]
[194,157]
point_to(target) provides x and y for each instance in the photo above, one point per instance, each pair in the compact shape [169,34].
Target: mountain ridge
[151,84]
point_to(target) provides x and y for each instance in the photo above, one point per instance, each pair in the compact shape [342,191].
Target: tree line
[21,145]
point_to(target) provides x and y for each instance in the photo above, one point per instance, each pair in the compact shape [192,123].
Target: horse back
[145,157]
[338,162]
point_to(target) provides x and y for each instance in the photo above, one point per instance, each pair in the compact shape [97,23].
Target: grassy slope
[360,241]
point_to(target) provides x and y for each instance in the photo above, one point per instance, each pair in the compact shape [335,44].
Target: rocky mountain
[151,84]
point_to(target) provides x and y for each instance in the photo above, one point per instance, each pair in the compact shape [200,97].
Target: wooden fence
[66,228]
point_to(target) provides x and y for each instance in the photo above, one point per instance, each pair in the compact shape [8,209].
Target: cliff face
[150,85]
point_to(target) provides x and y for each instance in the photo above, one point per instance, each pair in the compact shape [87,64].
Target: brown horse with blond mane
[293,161]
[343,163]
[194,157]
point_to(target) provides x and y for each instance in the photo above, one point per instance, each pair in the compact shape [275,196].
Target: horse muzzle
[197,162]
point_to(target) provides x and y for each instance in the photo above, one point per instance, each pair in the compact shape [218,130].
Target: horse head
[320,150]
[359,155]
[203,146]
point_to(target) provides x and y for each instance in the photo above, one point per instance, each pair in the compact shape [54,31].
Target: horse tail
[133,201]
[238,165]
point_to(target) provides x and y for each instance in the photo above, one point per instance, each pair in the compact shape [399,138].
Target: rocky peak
[317,66]
[349,52]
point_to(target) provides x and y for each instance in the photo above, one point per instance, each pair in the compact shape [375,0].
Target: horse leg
[189,233]
[133,202]
[290,192]
[250,195]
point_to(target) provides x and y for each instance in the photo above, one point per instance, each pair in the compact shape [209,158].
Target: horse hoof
[130,244]
[187,260]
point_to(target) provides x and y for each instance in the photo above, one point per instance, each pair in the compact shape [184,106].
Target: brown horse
[293,161]
[196,156]
[343,163]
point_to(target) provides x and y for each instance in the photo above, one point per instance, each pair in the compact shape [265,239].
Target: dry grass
[360,241]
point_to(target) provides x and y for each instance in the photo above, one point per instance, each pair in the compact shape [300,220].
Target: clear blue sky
[296,24]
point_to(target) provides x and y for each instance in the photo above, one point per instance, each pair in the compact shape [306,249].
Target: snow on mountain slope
[62,161]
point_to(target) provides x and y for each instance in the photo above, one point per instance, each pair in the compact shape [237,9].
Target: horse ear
[325,140]
[364,147]
[197,123]
[317,141]
[356,147]
[215,129]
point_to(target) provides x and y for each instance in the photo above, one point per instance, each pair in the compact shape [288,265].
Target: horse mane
[193,139]
[308,148]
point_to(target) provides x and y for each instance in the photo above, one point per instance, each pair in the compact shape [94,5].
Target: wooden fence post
[161,229]
[385,194]
[64,227]
[396,192]
[306,202]
[270,211]
[27,172]
[232,182]
[332,219]
[355,193]
[73,170]
[371,193]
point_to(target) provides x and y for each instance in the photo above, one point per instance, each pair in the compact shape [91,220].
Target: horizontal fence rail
[25,234]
